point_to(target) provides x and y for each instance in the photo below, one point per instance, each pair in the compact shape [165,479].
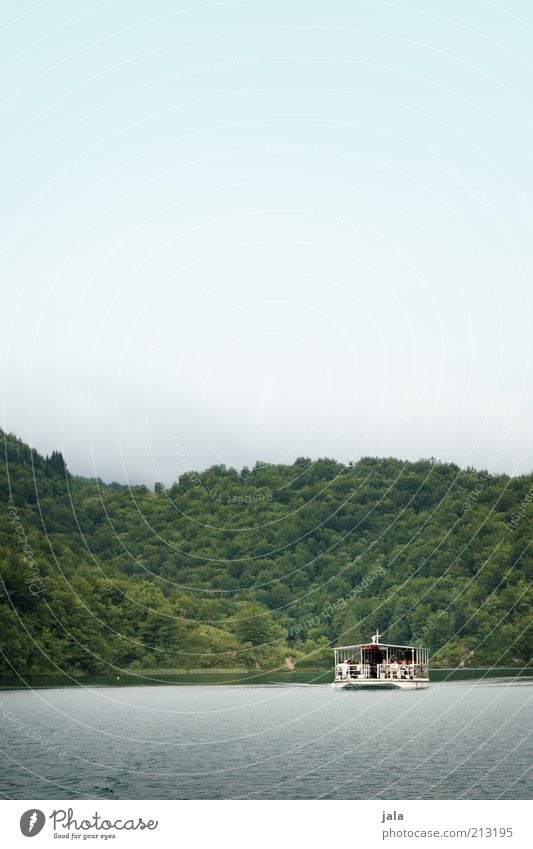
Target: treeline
[260,567]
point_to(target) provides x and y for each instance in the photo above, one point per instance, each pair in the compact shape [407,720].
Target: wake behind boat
[381,666]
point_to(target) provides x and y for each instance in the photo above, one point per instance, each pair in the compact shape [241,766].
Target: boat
[381,666]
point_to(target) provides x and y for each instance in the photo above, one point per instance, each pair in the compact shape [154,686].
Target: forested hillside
[231,568]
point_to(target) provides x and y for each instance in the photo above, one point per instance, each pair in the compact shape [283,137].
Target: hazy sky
[261,230]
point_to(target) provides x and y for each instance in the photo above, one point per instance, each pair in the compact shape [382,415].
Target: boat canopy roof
[376,646]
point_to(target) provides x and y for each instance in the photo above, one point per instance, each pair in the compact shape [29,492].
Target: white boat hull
[381,684]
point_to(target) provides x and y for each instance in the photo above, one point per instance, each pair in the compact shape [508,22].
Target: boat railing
[402,670]
[398,670]
[355,670]
[382,671]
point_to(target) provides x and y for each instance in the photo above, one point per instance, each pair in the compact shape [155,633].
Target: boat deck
[381,665]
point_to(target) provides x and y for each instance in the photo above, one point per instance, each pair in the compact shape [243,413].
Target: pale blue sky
[249,230]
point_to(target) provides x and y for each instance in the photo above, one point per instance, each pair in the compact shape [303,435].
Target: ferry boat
[383,666]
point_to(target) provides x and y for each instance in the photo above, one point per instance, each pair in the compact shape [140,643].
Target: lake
[457,739]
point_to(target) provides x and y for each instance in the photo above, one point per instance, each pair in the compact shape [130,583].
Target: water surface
[281,741]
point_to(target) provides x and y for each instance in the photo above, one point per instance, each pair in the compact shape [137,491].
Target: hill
[231,568]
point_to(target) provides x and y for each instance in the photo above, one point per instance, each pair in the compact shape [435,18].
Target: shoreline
[170,677]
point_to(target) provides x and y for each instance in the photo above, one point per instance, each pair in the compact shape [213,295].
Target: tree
[255,625]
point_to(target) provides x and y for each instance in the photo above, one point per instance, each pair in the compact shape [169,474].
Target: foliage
[228,569]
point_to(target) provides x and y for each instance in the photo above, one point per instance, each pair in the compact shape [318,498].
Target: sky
[241,231]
